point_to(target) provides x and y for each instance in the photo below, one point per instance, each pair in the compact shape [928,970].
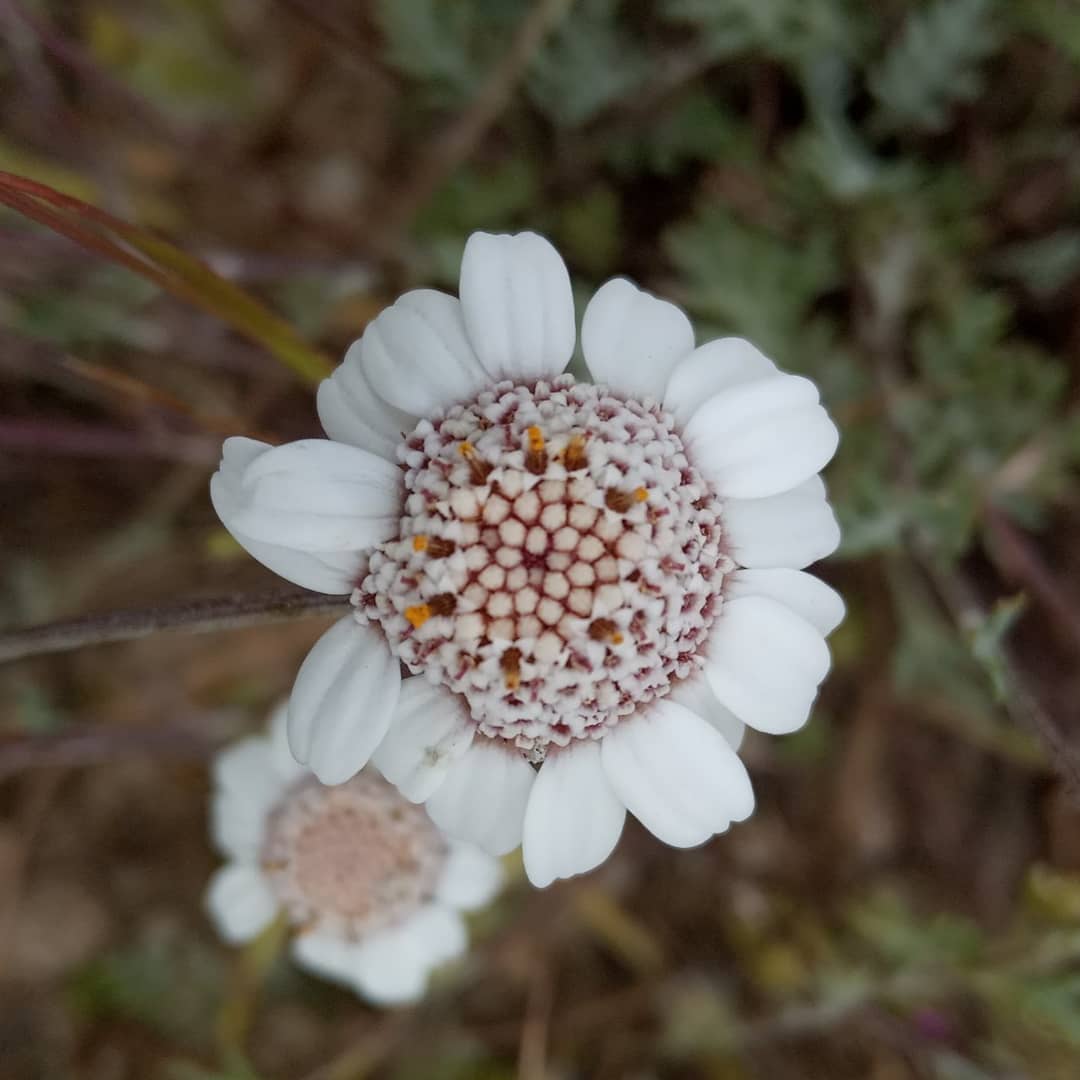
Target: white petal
[240,902]
[808,596]
[288,769]
[322,571]
[676,774]
[789,530]
[469,879]
[696,695]
[416,356]
[316,496]
[761,437]
[573,819]
[518,306]
[765,663]
[246,790]
[392,968]
[482,800]
[343,700]
[351,412]
[244,771]
[327,956]
[430,730]
[632,340]
[711,368]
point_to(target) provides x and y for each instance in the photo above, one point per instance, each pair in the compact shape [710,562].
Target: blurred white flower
[601,580]
[373,889]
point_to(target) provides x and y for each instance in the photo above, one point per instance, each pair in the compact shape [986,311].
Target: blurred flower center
[354,858]
[559,563]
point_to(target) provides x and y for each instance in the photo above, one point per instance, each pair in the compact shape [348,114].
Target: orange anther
[617,639]
[417,615]
[640,494]
[466,450]
[536,438]
[419,543]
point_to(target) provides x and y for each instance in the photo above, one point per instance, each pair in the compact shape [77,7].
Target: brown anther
[417,615]
[641,494]
[605,630]
[574,454]
[619,501]
[419,543]
[536,459]
[510,662]
[438,548]
[443,604]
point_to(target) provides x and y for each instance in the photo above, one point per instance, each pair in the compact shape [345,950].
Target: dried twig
[92,745]
[79,61]
[196,616]
[72,439]
[1019,559]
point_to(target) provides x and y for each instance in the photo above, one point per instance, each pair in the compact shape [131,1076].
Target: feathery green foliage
[934,63]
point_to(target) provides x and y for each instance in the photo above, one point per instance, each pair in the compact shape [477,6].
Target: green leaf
[908,938]
[446,47]
[785,29]
[934,64]
[590,62]
[430,41]
[982,393]
[164,980]
[1045,266]
[1049,1005]
[751,281]
[697,127]
[1056,23]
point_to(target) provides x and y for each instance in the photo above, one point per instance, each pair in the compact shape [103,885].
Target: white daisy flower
[596,585]
[374,890]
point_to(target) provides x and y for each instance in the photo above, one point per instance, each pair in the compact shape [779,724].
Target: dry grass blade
[164,264]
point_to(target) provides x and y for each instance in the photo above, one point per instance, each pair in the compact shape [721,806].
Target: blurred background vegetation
[884,196]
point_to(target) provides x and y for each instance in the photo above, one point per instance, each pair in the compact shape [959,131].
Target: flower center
[351,859]
[559,562]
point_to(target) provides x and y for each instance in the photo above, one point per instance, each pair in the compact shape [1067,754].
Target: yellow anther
[640,494]
[466,450]
[536,438]
[419,543]
[417,615]
[617,639]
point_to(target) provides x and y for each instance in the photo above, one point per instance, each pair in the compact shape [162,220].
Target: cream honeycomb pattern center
[559,564]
